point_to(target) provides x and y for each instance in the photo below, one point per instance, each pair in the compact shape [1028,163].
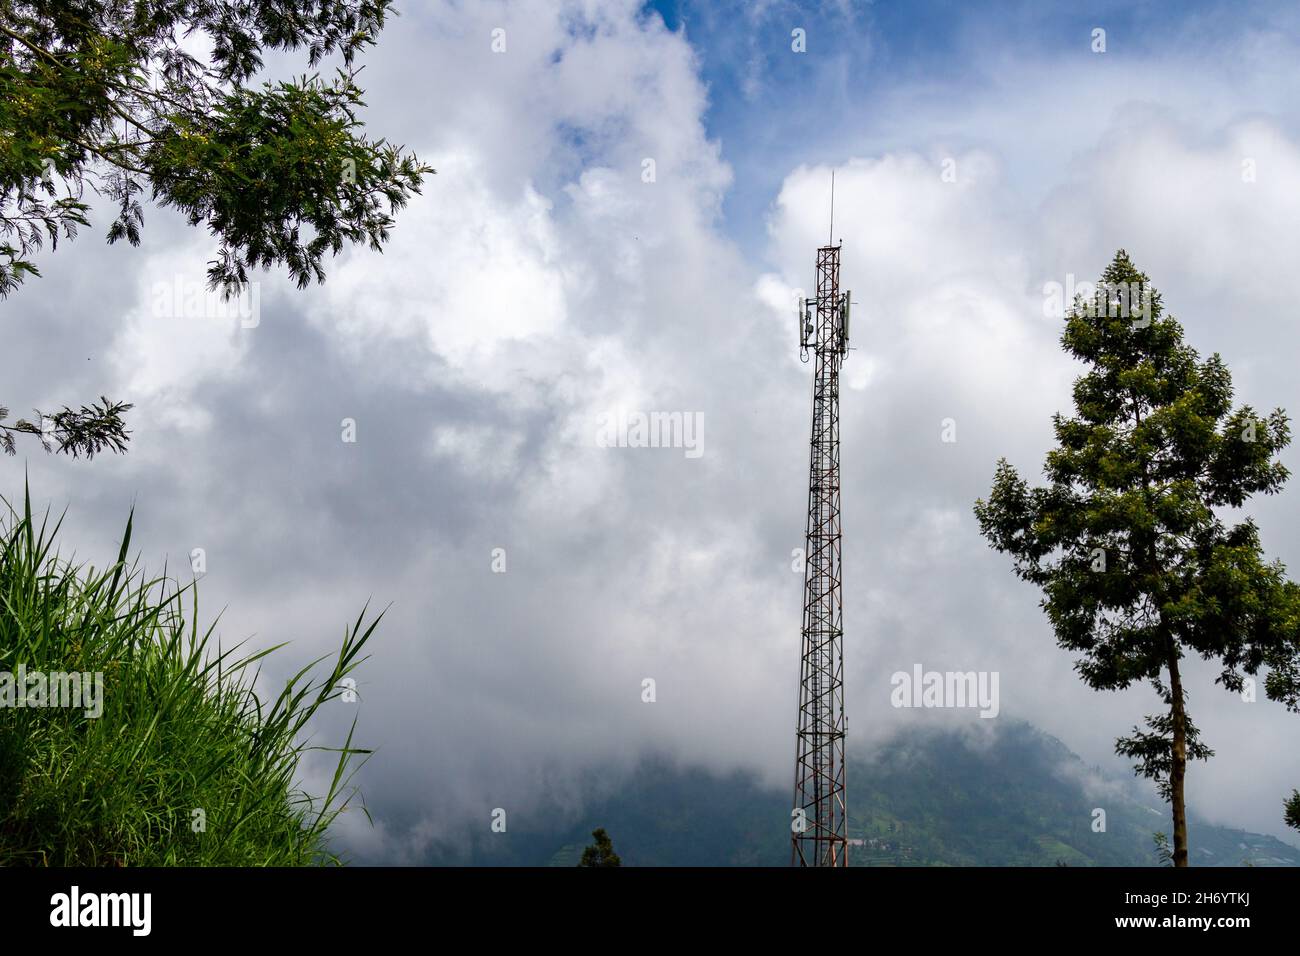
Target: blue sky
[772,109]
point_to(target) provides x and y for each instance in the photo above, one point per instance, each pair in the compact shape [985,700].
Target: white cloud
[540,282]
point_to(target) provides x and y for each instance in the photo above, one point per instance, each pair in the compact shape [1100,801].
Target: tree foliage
[1164,855]
[107,95]
[600,853]
[1131,541]
[85,431]
[107,98]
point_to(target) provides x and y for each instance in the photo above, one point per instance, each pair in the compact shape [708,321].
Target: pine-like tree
[1139,564]
[600,853]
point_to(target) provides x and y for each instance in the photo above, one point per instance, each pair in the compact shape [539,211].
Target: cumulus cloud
[545,280]
[957,273]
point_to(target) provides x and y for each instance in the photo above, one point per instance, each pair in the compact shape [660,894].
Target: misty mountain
[1010,796]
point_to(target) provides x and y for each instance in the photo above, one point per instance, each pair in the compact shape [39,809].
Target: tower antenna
[830,239]
[819,834]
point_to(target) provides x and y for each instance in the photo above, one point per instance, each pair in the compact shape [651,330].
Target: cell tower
[819,828]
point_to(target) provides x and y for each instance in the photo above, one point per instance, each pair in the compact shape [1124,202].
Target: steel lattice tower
[819,834]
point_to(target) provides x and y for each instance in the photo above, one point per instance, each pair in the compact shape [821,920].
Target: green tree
[85,431]
[1283,685]
[1137,563]
[600,853]
[1164,856]
[105,96]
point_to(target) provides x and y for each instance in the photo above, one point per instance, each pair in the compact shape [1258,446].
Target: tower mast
[819,830]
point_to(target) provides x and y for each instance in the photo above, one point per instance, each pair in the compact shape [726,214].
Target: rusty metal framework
[819,820]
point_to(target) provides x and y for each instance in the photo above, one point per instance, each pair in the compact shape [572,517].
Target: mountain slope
[1010,796]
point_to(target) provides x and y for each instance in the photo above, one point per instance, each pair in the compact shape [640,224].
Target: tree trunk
[1178,765]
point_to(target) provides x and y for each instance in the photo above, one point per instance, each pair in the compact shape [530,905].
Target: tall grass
[186,765]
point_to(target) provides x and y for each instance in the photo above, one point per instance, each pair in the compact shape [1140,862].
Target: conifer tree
[600,853]
[1132,542]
